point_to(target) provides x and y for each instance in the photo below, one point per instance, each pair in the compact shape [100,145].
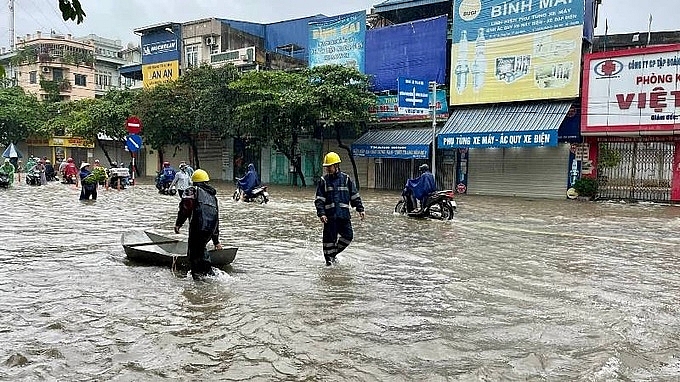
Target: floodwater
[510,289]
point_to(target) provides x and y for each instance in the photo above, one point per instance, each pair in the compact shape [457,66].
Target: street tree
[71,10]
[274,107]
[342,98]
[20,115]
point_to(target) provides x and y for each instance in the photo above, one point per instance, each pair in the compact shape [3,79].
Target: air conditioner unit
[46,69]
[210,40]
[244,57]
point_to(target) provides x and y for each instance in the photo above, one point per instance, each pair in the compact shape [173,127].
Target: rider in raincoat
[422,186]
[8,169]
[249,181]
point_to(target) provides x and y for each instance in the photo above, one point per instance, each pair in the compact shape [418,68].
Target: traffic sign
[133,142]
[414,96]
[133,125]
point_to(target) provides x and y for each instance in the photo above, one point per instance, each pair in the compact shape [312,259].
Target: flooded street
[510,289]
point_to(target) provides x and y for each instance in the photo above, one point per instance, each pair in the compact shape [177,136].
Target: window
[57,74]
[33,77]
[80,80]
[192,55]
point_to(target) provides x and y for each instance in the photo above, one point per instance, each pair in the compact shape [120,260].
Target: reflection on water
[510,289]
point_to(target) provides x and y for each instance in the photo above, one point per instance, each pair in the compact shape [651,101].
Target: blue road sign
[414,96]
[133,142]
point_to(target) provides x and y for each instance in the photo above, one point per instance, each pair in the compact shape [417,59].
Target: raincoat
[250,180]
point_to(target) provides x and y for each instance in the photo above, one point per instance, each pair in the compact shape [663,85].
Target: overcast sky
[116,19]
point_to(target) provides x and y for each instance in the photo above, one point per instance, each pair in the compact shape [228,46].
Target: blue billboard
[482,140]
[398,151]
[160,46]
[338,40]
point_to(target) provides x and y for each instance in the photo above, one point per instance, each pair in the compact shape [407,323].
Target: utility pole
[433,106]
[12,37]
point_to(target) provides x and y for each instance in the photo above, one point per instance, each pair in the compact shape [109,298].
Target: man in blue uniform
[335,194]
[199,205]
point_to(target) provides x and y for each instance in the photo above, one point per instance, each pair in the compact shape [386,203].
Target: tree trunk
[349,154]
[194,152]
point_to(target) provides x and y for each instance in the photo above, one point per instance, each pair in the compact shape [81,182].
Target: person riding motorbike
[70,174]
[165,177]
[50,174]
[8,168]
[249,182]
[418,189]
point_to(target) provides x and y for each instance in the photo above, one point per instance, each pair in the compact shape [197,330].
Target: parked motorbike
[259,194]
[438,205]
[33,178]
[4,180]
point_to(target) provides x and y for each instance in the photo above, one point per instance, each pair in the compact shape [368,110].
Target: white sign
[632,91]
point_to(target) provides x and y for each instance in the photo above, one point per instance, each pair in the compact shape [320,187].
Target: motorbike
[259,194]
[33,178]
[163,186]
[119,176]
[4,180]
[68,179]
[438,205]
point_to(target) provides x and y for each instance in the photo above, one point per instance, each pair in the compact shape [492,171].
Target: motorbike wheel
[400,208]
[236,196]
[261,199]
[446,211]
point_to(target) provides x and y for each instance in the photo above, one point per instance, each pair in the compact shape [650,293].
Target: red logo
[608,68]
[461,188]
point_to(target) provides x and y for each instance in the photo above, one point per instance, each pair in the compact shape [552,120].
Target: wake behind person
[199,205]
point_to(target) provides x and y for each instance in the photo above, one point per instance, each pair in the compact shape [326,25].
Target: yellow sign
[540,65]
[161,72]
[71,142]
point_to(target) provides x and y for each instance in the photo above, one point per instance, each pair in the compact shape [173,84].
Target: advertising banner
[154,74]
[515,50]
[387,109]
[160,46]
[338,40]
[391,151]
[633,90]
[504,139]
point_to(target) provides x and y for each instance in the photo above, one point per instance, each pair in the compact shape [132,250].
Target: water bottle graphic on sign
[479,64]
[462,67]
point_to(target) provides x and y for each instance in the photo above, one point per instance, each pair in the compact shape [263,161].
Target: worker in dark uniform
[335,194]
[199,205]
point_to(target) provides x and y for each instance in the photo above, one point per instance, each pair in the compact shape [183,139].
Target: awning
[504,125]
[394,143]
[133,71]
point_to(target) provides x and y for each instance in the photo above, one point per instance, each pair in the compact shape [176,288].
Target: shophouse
[514,87]
[630,109]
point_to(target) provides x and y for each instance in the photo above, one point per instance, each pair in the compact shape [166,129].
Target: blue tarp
[415,50]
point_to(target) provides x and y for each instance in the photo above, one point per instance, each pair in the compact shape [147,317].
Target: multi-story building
[108,55]
[53,65]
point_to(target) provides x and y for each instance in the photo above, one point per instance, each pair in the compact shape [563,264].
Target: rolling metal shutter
[526,172]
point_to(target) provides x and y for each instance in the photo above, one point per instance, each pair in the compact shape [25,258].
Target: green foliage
[27,55]
[586,187]
[71,10]
[98,175]
[20,115]
[608,158]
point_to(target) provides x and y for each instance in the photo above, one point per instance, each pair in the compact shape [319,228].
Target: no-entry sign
[133,125]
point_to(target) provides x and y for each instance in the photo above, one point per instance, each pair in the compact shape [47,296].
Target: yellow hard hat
[200,176]
[331,158]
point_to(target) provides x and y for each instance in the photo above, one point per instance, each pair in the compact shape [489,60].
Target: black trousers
[88,190]
[199,259]
[337,235]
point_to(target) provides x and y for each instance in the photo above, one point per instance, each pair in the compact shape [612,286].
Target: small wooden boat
[154,249]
